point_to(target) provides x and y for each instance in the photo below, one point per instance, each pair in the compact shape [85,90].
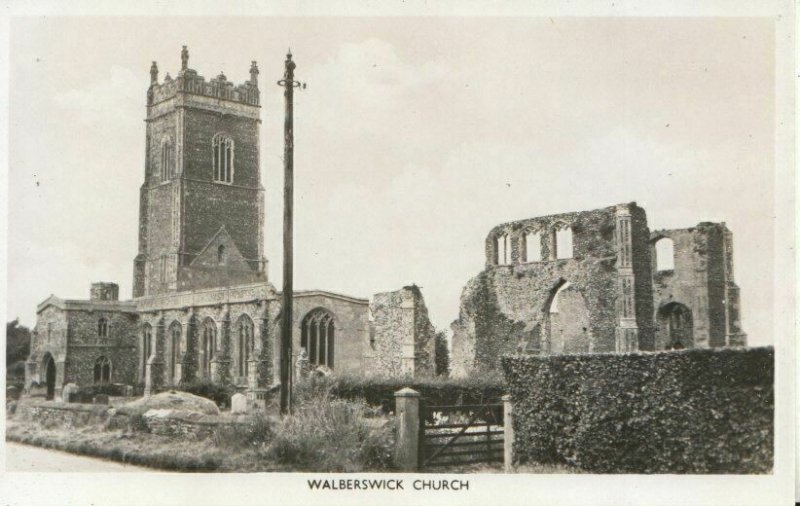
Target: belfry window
[167,159]
[222,148]
[102,327]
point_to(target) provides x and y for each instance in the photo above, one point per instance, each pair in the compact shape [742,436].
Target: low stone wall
[58,414]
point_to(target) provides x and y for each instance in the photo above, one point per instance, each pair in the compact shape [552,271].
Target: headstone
[128,390]
[12,393]
[100,399]
[238,404]
[70,393]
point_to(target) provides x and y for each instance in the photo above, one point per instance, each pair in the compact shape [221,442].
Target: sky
[413,138]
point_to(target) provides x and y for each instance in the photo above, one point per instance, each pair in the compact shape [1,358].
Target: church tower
[201,208]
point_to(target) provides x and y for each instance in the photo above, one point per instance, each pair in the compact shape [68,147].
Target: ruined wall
[701,280]
[506,308]
[401,336]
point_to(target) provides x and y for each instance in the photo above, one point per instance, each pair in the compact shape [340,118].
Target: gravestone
[238,404]
[128,391]
[101,399]
[12,393]
[70,393]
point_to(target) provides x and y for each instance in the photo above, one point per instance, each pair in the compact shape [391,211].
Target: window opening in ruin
[554,303]
[665,254]
[533,247]
[175,350]
[221,254]
[676,326]
[503,251]
[102,327]
[563,243]
[244,345]
[317,337]
[222,148]
[102,370]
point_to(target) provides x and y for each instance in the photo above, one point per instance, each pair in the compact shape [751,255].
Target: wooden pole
[288,201]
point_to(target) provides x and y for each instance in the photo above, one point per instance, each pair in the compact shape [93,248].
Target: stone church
[597,281]
[203,306]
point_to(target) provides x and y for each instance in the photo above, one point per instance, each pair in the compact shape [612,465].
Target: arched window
[147,345]
[102,328]
[221,254]
[175,332]
[317,337]
[563,242]
[533,246]
[102,370]
[244,345]
[209,345]
[665,254]
[502,249]
[167,159]
[222,148]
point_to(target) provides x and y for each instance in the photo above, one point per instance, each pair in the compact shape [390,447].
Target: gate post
[508,434]
[406,453]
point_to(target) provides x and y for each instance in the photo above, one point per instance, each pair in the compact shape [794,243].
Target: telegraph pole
[289,84]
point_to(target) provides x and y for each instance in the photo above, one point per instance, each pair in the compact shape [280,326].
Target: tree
[441,354]
[18,346]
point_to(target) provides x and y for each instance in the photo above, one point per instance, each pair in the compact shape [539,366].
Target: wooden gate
[460,434]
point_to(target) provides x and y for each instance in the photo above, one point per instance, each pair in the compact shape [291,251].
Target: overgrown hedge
[690,411]
[379,391]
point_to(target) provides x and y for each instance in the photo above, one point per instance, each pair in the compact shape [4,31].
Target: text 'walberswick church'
[203,307]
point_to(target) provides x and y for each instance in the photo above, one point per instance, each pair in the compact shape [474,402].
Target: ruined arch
[317,336]
[675,327]
[48,367]
[566,327]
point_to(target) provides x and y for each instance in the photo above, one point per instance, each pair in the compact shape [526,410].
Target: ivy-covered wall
[689,411]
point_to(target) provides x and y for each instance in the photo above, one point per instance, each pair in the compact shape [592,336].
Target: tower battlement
[190,82]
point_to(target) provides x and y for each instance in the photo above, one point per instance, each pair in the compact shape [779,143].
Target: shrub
[87,393]
[219,393]
[379,391]
[327,434]
[691,411]
[256,432]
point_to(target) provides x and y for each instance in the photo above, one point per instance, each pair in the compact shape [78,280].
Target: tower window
[563,242]
[502,250]
[533,247]
[102,327]
[222,148]
[167,159]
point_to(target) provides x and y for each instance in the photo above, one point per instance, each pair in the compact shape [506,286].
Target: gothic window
[244,346]
[502,249]
[175,350]
[167,159]
[222,148]
[102,327]
[317,337]
[665,254]
[533,246]
[563,241]
[209,345]
[147,345]
[102,370]
[49,332]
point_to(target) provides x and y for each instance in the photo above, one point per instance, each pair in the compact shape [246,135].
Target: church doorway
[675,327]
[50,376]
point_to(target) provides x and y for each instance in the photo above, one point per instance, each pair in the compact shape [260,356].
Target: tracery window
[222,147]
[102,370]
[317,337]
[102,327]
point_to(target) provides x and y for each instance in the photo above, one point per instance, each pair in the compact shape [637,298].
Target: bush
[691,411]
[219,393]
[257,432]
[87,393]
[326,434]
[379,391]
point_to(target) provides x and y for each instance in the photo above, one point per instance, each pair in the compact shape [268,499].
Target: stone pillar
[627,331]
[508,434]
[406,453]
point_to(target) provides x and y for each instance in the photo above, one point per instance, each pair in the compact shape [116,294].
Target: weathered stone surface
[238,404]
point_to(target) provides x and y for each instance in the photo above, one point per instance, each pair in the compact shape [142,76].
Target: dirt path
[25,458]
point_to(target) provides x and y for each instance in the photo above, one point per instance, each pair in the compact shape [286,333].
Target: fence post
[508,434]
[406,453]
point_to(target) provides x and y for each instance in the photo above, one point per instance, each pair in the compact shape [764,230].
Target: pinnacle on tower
[254,74]
[154,73]
[184,58]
